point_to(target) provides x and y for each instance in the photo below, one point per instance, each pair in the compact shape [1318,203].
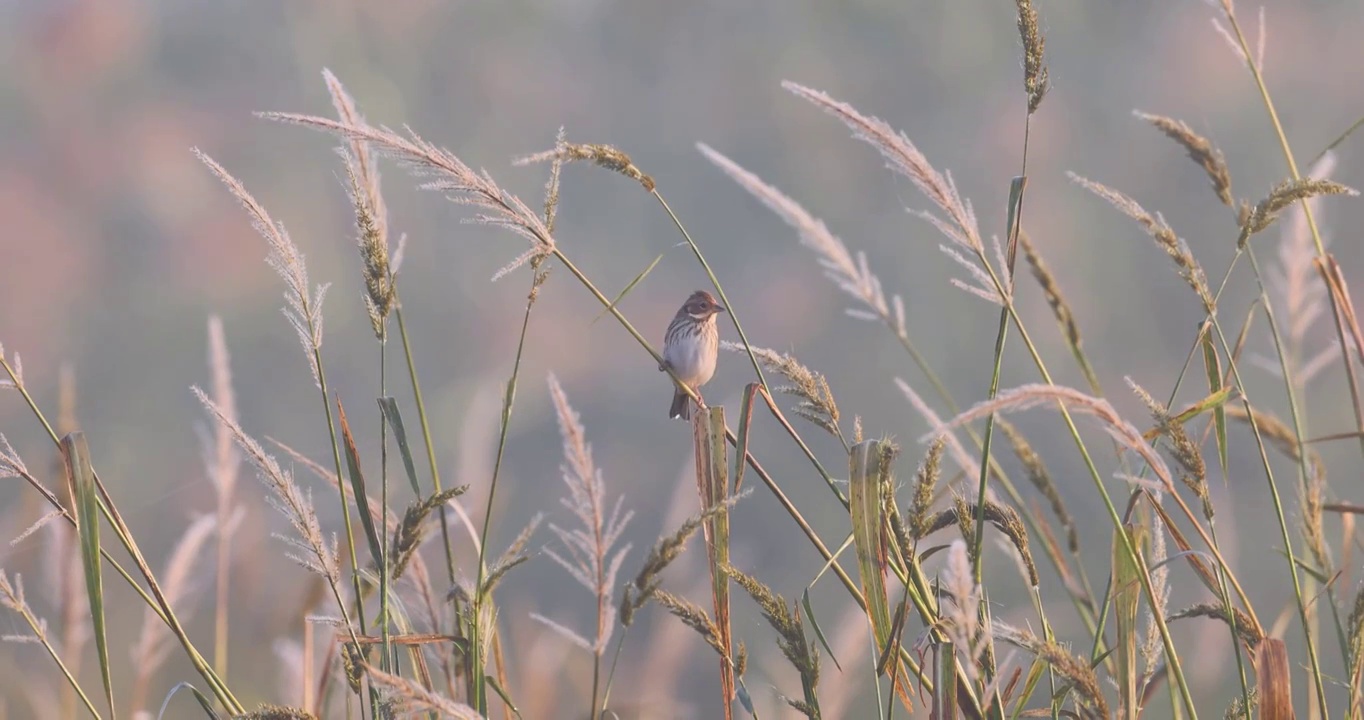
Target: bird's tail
[681,406]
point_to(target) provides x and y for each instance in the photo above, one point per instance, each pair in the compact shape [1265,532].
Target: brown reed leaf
[1200,150]
[1273,680]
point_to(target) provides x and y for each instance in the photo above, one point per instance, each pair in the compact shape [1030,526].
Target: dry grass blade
[868,469]
[1273,681]
[1200,151]
[712,487]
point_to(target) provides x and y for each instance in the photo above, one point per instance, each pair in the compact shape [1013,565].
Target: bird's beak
[719,307]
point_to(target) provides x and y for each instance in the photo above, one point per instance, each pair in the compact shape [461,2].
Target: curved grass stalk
[157,601]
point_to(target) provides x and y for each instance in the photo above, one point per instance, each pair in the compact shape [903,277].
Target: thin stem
[426,435]
[385,641]
[718,288]
[476,654]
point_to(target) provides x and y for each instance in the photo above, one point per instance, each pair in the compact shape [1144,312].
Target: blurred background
[118,245]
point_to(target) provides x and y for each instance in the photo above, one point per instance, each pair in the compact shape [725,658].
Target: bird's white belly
[693,362]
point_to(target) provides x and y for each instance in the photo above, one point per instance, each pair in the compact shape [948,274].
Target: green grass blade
[357,483]
[389,406]
[1213,365]
[1126,602]
[814,623]
[204,703]
[630,286]
[502,693]
[945,694]
[81,475]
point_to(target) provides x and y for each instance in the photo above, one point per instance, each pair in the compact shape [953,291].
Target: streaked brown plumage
[690,347]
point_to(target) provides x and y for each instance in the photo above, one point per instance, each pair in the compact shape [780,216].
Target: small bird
[690,347]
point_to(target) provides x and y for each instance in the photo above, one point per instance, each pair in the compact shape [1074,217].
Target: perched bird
[690,347]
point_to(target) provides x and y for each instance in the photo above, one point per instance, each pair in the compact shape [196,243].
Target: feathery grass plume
[410,533]
[603,156]
[1152,646]
[303,305]
[964,460]
[153,644]
[1237,709]
[514,555]
[963,614]
[380,294]
[556,168]
[405,698]
[1026,397]
[925,483]
[221,463]
[459,182]
[353,666]
[638,591]
[1182,447]
[1244,627]
[1034,72]
[1051,290]
[1003,517]
[1200,150]
[12,597]
[1040,478]
[817,400]
[903,157]
[1293,281]
[1283,195]
[1155,226]
[371,214]
[1282,437]
[14,369]
[1089,694]
[785,619]
[268,711]
[11,465]
[694,617]
[312,551]
[851,274]
[591,558]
